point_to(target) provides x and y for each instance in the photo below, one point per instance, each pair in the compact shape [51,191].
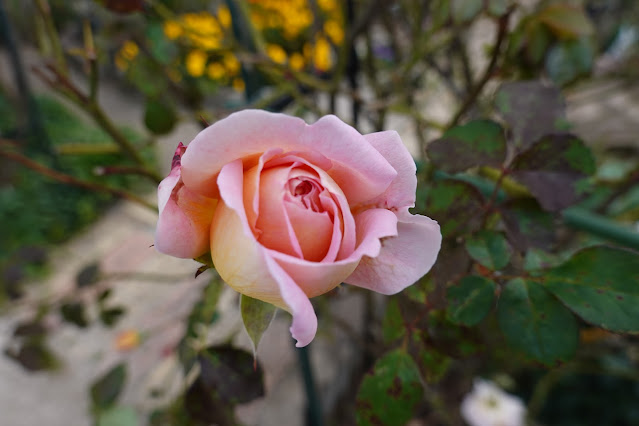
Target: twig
[70,180]
[502,30]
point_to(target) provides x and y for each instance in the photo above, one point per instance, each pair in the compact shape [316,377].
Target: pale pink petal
[185,217]
[403,259]
[247,134]
[245,265]
[316,278]
[401,192]
[313,230]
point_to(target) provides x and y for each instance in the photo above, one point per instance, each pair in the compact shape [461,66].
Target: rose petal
[317,278]
[184,222]
[313,231]
[403,259]
[401,192]
[245,265]
[258,131]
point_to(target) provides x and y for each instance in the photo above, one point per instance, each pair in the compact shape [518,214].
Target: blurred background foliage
[537,283]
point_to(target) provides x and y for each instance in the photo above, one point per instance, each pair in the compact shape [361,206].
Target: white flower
[488,405]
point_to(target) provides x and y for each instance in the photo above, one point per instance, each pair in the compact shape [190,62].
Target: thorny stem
[502,30]
[70,180]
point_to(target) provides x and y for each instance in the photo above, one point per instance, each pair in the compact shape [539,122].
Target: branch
[502,30]
[70,180]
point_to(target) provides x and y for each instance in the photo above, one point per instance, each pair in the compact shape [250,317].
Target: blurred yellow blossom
[334,31]
[224,16]
[296,61]
[126,54]
[203,30]
[231,63]
[215,71]
[328,5]
[172,30]
[196,62]
[322,58]
[238,84]
[276,53]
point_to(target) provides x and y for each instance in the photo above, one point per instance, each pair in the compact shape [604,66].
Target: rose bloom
[488,405]
[288,211]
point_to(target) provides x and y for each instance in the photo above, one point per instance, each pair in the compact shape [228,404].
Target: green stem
[314,412]
[595,224]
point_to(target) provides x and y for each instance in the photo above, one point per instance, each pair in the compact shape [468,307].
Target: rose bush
[289,210]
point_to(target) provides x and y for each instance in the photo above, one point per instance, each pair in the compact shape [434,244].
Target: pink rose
[289,211]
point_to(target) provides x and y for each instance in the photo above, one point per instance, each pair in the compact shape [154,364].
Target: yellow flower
[296,61]
[334,31]
[224,16]
[215,71]
[203,30]
[238,84]
[276,53]
[231,63]
[327,5]
[195,62]
[322,55]
[172,30]
[129,50]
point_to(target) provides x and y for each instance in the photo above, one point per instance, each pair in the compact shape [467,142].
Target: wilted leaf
[456,205]
[389,394]
[257,316]
[551,168]
[118,416]
[106,389]
[34,355]
[110,316]
[88,275]
[569,60]
[601,285]
[465,10]
[159,116]
[536,323]
[74,313]
[477,143]
[470,300]
[490,249]
[531,110]
[566,20]
[230,374]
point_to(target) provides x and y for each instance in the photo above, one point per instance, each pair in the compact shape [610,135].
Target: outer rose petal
[403,259]
[401,192]
[185,217]
[358,168]
[246,266]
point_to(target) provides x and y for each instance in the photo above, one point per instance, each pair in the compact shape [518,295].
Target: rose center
[307,191]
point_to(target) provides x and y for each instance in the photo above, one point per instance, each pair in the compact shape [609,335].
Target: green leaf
[110,316]
[566,21]
[465,10]
[455,205]
[477,143]
[470,300]
[527,225]
[257,316]
[159,116]
[539,39]
[393,326]
[118,416]
[433,364]
[569,60]
[88,275]
[552,168]
[536,323]
[389,394]
[489,248]
[106,389]
[531,110]
[601,285]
